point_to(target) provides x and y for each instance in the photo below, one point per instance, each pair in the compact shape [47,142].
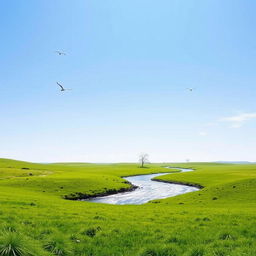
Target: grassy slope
[217,220]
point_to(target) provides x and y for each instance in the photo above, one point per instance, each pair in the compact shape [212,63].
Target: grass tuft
[13,244]
[197,252]
[166,251]
[57,245]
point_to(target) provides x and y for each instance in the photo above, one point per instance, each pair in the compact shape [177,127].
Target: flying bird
[191,89]
[62,89]
[60,53]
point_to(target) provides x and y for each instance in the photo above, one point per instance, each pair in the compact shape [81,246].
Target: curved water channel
[147,190]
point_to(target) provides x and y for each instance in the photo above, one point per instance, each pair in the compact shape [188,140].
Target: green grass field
[36,220]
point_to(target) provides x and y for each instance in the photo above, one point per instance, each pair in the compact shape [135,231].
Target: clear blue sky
[129,64]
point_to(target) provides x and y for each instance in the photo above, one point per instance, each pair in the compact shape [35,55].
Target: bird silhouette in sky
[60,53]
[62,89]
[191,89]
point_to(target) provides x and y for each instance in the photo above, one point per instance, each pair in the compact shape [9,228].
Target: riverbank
[108,192]
[180,183]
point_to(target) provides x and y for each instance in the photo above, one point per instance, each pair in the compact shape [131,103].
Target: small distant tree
[143,159]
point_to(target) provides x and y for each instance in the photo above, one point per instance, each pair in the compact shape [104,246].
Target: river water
[147,190]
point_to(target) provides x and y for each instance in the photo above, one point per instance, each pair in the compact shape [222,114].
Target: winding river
[147,190]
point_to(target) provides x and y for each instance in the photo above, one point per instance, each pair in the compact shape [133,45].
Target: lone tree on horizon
[143,159]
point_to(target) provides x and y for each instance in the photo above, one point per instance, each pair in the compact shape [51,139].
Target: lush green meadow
[36,220]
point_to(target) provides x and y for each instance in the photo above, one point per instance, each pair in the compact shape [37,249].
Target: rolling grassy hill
[217,220]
